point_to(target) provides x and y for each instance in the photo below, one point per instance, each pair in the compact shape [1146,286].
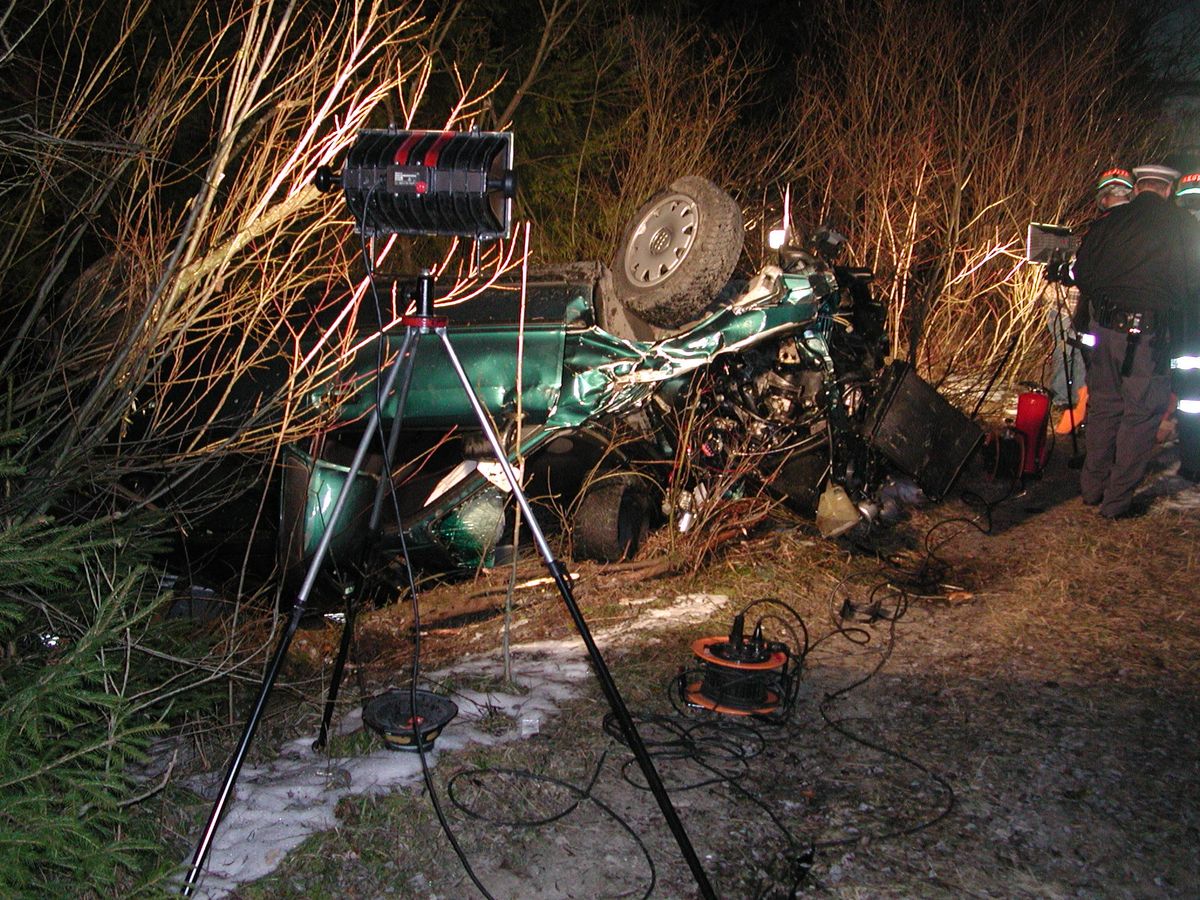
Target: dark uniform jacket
[1143,256]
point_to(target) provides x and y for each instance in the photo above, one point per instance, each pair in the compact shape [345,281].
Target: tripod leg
[339,668]
[272,672]
[239,756]
[408,354]
[562,580]
[1068,359]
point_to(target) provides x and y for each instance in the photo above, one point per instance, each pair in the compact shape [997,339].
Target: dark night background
[161,240]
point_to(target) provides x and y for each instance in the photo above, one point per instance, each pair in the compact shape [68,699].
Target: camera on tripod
[1054,247]
[1058,268]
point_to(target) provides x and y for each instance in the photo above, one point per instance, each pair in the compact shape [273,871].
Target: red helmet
[1187,191]
[1188,185]
[1115,179]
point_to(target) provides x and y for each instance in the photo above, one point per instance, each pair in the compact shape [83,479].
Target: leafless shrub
[205,317]
[933,137]
[677,93]
[720,480]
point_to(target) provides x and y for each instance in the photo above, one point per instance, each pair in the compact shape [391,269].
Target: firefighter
[1133,268]
[1185,364]
[1114,188]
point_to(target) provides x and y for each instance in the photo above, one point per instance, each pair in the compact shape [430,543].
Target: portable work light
[428,182]
[435,183]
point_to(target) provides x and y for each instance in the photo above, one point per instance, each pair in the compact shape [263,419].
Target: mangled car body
[627,394]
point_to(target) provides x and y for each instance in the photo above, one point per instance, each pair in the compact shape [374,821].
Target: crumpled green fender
[605,375]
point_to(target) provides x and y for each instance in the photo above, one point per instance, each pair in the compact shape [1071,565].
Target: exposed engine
[784,415]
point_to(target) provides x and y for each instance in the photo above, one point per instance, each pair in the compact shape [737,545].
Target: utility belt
[1136,324]
[1118,319]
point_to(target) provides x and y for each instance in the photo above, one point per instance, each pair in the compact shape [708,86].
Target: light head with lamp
[428,183]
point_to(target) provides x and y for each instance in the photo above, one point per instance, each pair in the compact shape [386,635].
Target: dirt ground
[1021,721]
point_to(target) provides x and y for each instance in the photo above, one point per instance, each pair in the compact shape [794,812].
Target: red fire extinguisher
[1032,424]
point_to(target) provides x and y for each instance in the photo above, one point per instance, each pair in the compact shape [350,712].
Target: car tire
[611,520]
[678,251]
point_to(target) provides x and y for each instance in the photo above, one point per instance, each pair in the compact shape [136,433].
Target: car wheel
[612,520]
[678,252]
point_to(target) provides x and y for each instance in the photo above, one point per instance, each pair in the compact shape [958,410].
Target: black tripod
[425,322]
[1068,363]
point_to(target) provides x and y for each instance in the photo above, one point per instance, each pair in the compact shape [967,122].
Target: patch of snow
[1169,492]
[277,806]
[636,601]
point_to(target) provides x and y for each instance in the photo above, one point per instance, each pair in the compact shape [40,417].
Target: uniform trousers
[1188,425]
[1123,417]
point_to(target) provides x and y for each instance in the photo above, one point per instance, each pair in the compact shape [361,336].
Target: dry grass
[1047,674]
[1103,596]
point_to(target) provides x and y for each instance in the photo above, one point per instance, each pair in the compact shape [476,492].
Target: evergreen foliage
[75,709]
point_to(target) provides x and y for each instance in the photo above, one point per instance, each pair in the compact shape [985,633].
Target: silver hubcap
[661,240]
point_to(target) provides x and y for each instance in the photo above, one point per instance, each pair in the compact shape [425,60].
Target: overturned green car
[632,394]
